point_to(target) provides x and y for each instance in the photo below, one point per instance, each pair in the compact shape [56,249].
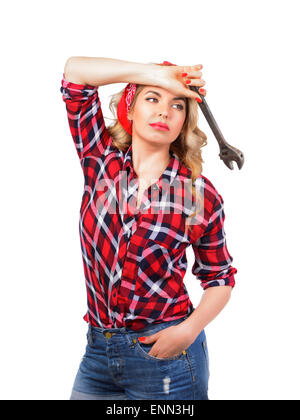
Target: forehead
[157,88]
[161,92]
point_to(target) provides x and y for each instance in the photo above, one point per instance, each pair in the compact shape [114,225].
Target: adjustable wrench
[227,153]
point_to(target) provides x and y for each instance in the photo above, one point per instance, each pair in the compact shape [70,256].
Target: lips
[160,126]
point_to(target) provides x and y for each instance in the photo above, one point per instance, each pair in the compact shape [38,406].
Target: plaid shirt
[135,259]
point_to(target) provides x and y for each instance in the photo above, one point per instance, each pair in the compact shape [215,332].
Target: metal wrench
[227,153]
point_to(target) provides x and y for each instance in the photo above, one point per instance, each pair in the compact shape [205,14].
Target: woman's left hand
[169,342]
[176,79]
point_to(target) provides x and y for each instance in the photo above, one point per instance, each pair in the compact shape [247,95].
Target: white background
[250,56]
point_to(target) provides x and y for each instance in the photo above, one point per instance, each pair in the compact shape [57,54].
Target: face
[155,104]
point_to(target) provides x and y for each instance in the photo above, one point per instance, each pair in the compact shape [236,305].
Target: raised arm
[81,79]
[83,76]
[100,71]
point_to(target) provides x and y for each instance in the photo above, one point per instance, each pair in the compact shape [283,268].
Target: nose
[163,113]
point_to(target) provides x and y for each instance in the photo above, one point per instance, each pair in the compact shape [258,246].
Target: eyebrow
[158,94]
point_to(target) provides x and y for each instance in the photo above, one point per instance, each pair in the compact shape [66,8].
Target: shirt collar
[173,169]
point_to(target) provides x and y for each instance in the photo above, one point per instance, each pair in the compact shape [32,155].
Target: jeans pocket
[144,350]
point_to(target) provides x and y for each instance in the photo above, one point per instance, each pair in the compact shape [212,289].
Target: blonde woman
[144,202]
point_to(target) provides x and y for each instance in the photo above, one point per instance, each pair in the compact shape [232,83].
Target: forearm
[212,302]
[99,71]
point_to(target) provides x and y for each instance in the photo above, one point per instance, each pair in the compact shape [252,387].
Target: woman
[144,201]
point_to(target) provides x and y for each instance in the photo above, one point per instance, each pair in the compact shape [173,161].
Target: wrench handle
[210,118]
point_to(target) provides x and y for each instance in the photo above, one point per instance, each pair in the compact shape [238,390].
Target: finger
[191,94]
[152,352]
[194,82]
[188,69]
[191,74]
[195,67]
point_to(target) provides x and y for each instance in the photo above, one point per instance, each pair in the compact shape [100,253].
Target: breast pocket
[158,271]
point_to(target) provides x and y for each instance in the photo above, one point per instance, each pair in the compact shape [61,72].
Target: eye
[181,106]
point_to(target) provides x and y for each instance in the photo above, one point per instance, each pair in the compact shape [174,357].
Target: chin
[157,140]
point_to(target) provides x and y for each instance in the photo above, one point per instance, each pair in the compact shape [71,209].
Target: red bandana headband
[126,100]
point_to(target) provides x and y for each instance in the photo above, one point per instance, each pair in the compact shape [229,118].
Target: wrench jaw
[229,154]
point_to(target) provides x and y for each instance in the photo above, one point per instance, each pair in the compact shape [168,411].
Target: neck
[150,160]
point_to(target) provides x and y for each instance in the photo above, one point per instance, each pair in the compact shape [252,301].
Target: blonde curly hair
[187,145]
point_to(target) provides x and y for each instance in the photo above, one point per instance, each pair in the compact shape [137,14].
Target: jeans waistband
[151,328]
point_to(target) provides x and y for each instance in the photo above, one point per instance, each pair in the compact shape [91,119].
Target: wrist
[189,330]
[145,74]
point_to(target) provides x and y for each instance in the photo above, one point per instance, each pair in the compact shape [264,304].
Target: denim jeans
[116,366]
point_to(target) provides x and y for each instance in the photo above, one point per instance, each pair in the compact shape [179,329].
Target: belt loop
[90,335]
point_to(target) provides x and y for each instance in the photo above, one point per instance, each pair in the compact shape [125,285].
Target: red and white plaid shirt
[135,259]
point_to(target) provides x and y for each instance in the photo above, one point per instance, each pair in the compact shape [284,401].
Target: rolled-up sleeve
[85,118]
[213,263]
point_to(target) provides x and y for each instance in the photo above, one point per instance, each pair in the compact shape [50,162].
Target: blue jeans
[117,366]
